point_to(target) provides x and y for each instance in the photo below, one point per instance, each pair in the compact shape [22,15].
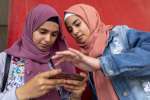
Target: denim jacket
[126,61]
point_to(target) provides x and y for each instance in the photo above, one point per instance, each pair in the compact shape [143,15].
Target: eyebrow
[75,21]
[43,29]
[55,31]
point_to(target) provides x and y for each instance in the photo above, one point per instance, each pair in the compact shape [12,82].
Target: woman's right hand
[77,58]
[39,85]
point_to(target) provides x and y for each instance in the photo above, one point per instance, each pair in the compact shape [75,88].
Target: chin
[44,50]
[81,42]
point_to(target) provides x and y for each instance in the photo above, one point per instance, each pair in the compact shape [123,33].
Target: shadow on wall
[3,37]
[3,23]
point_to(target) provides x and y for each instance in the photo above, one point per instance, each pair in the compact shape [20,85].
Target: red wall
[135,13]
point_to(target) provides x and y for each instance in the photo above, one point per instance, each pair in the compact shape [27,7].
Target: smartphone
[68,76]
[65,75]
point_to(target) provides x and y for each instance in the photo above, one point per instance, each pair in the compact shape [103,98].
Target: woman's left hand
[76,87]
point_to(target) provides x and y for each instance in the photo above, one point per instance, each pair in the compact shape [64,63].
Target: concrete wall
[3,23]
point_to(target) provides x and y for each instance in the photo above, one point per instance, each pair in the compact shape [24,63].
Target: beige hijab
[95,46]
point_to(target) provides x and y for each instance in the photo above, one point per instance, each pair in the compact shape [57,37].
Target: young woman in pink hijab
[30,65]
[117,56]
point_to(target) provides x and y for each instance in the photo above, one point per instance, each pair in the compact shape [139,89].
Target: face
[78,28]
[45,36]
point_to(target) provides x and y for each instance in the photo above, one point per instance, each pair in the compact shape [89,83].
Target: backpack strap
[6,71]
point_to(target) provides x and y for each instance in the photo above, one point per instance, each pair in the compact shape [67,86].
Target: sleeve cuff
[108,66]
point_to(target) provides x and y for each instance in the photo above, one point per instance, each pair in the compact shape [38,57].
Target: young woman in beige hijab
[118,56]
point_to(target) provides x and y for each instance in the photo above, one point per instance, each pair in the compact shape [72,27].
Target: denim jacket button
[125,93]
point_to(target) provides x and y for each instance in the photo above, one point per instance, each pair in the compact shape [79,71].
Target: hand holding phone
[68,76]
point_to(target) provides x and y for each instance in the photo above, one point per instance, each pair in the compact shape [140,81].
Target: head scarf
[97,28]
[95,45]
[36,61]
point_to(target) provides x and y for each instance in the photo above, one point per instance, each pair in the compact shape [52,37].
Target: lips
[79,37]
[44,46]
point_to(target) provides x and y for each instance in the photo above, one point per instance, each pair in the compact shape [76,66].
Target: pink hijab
[95,46]
[36,61]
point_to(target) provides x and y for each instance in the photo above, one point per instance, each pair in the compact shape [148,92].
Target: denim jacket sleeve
[133,60]
[11,94]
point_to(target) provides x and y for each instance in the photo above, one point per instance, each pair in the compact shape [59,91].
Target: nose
[48,38]
[75,31]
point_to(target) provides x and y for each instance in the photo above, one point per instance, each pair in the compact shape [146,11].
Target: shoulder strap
[6,72]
